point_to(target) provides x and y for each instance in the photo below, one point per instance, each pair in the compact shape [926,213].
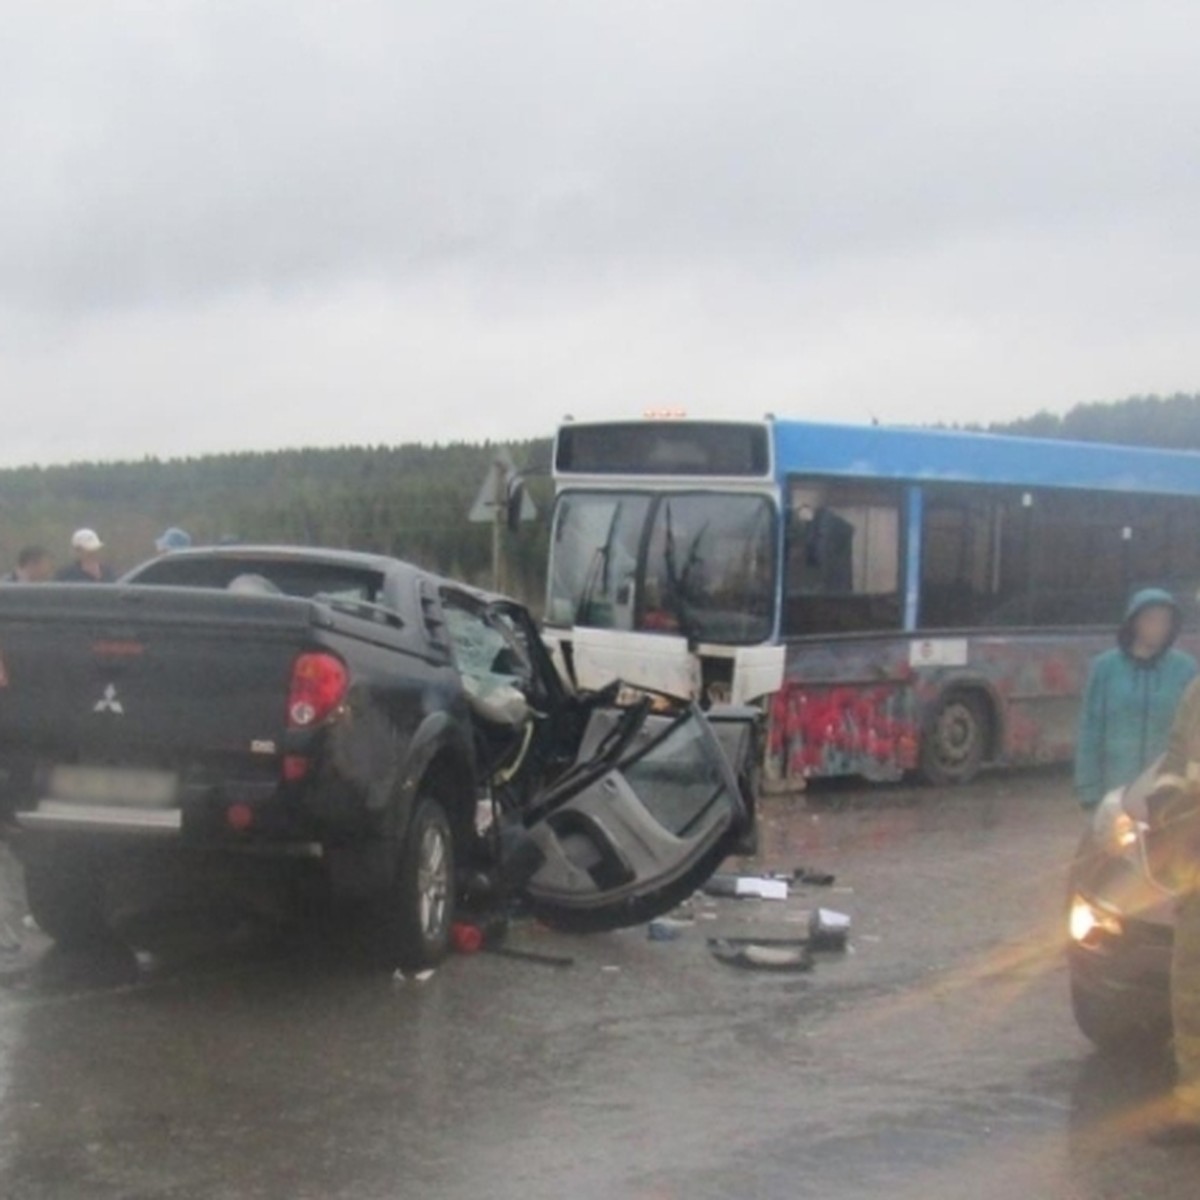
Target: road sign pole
[493,504]
[499,497]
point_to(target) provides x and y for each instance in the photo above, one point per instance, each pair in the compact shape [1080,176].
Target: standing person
[87,567]
[1132,693]
[173,539]
[34,565]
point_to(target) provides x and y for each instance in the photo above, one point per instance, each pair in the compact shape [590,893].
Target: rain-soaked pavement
[937,1059]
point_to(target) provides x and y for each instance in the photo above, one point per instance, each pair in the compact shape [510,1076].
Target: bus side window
[843,558]
[958,578]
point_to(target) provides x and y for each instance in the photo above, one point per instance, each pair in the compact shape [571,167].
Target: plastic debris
[399,976]
[666,929]
[814,878]
[743,887]
[828,930]
[466,938]
[478,932]
[790,955]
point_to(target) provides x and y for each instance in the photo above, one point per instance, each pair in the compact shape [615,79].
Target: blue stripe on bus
[918,455]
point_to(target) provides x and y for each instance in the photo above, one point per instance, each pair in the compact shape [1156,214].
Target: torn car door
[648,812]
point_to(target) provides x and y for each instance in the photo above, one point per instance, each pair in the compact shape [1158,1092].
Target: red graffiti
[843,729]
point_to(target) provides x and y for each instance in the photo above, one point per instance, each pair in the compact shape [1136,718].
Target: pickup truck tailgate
[148,676]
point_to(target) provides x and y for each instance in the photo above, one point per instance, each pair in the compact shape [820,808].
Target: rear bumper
[241,816]
[57,816]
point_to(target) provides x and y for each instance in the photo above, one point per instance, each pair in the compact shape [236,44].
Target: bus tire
[955,740]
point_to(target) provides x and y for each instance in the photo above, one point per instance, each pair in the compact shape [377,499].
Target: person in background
[87,567]
[34,565]
[1132,694]
[173,539]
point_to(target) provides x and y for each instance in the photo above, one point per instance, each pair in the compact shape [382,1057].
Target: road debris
[747,887]
[667,929]
[424,976]
[813,878]
[828,930]
[532,956]
[765,954]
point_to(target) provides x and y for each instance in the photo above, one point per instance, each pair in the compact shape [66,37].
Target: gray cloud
[222,224]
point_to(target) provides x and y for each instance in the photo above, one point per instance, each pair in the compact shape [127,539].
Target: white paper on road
[764,889]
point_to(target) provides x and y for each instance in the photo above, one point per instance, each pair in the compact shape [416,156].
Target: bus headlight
[1086,920]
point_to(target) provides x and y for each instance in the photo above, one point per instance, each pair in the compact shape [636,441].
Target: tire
[418,907]
[65,894]
[955,740]
[1112,1027]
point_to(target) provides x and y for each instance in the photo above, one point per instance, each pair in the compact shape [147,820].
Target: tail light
[318,690]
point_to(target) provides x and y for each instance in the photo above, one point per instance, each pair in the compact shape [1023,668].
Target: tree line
[408,500]
[1162,422]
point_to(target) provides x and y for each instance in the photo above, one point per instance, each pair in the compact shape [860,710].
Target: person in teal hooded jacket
[1132,693]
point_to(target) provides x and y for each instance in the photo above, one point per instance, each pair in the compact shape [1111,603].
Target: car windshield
[700,564]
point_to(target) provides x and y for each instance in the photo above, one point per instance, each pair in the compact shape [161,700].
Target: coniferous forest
[409,500]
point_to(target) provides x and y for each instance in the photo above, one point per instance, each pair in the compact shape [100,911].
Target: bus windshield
[699,564]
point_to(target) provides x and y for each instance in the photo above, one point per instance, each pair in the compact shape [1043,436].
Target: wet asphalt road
[938,1059]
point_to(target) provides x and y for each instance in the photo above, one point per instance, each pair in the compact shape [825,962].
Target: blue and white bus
[901,599]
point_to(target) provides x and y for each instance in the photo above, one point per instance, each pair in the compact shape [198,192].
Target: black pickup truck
[252,716]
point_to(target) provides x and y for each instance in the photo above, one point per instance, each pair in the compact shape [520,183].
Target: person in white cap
[87,567]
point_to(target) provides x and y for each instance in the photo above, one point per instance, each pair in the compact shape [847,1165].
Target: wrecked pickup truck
[251,716]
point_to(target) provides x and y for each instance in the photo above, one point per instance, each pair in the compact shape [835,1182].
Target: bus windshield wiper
[677,581]
[596,577]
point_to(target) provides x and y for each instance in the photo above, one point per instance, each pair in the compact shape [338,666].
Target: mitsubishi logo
[109,703]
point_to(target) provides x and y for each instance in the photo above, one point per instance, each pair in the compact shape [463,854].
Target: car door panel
[652,808]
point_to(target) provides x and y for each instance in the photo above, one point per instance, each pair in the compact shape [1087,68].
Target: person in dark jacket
[1131,697]
[34,565]
[87,567]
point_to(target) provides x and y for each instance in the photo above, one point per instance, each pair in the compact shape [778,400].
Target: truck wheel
[419,906]
[65,894]
[955,740]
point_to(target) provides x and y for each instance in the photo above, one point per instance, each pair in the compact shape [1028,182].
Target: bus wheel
[955,740]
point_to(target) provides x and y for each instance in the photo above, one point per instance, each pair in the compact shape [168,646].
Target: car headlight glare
[1086,920]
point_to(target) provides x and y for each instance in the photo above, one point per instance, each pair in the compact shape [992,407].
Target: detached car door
[651,807]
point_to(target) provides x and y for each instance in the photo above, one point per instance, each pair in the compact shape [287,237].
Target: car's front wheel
[418,909]
[1112,1026]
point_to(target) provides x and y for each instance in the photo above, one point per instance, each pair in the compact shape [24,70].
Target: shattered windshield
[699,564]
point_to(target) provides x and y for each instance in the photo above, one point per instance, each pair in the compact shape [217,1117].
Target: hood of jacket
[1138,603]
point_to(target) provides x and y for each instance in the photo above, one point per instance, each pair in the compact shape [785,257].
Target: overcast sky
[246,224]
